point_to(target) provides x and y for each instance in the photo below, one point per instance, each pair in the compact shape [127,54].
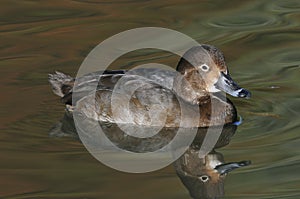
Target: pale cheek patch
[211,86]
[213,163]
[213,89]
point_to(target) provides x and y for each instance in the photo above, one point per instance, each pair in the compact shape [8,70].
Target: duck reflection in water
[204,177]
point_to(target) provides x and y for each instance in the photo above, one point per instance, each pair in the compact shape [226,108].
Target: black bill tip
[243,93]
[244,163]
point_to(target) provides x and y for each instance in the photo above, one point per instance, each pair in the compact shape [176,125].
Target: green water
[260,39]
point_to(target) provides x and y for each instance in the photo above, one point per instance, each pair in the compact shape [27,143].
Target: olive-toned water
[260,39]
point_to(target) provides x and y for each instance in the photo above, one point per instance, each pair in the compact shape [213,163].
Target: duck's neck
[189,89]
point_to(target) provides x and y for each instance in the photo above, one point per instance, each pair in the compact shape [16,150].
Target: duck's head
[202,70]
[204,177]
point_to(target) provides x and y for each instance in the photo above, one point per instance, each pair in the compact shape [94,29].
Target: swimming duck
[154,97]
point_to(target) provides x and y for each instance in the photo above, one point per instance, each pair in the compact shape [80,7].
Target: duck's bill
[227,167]
[226,84]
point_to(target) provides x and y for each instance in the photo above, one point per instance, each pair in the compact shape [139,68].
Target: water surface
[260,40]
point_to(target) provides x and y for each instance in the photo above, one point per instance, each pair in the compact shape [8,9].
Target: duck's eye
[204,178]
[204,67]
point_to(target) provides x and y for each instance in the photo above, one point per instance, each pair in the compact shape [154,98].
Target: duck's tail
[61,83]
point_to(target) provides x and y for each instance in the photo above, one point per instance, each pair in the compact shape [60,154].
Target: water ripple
[243,21]
[285,6]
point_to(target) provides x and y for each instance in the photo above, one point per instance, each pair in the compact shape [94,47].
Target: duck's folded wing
[63,85]
[161,77]
[91,82]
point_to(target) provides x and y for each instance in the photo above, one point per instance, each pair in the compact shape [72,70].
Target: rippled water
[260,40]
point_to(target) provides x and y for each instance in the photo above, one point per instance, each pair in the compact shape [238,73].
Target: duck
[154,96]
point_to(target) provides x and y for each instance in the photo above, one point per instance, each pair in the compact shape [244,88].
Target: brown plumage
[161,97]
